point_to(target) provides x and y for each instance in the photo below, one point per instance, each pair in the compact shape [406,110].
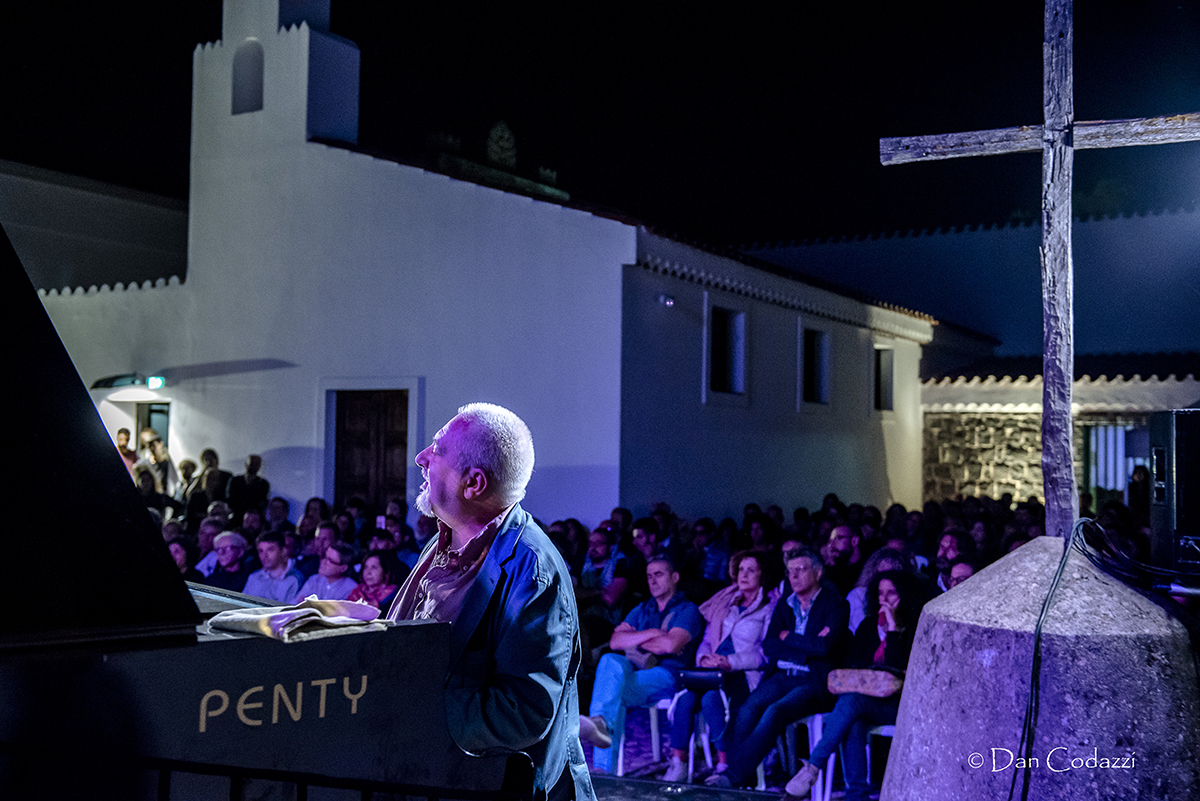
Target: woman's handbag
[865,681]
[701,680]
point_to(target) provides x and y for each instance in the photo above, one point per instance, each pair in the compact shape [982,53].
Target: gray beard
[422,502]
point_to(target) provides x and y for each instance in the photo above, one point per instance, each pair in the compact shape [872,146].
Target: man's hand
[715,661]
[824,632]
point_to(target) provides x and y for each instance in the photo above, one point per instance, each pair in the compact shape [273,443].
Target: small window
[814,366]
[727,351]
[248,77]
[884,359]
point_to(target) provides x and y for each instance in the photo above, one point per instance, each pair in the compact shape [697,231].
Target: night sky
[725,125]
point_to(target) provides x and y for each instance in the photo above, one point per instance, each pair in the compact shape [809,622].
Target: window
[814,365]
[248,77]
[884,360]
[726,350]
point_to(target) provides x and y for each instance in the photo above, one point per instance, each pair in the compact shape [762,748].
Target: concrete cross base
[1120,709]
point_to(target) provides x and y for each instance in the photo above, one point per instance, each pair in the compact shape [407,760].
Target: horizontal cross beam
[1028,139]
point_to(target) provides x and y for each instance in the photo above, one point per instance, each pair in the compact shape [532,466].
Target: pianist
[496,578]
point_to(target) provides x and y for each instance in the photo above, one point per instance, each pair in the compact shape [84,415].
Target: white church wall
[710,453]
[313,269]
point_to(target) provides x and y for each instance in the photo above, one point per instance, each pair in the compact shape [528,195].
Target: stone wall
[986,453]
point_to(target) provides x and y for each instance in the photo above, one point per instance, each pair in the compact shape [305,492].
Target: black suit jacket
[820,653]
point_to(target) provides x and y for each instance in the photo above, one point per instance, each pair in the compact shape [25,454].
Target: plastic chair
[823,788]
[700,727]
[655,737]
[877,731]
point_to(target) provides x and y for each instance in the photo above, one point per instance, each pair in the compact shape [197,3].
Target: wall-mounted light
[666,300]
[155,382]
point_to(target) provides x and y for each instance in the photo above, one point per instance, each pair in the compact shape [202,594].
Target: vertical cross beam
[1058,347]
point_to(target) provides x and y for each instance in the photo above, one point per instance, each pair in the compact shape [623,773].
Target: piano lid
[85,562]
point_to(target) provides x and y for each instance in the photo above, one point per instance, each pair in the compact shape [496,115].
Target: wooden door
[371,449]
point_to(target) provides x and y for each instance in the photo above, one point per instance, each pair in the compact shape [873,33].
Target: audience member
[806,639]
[960,571]
[334,580]
[382,575]
[883,641]
[206,537]
[953,544]
[277,580]
[325,535]
[649,647]
[737,623]
[183,551]
[603,583]
[278,511]
[152,496]
[154,455]
[231,571]
[843,557]
[249,490]
[882,560]
[317,508]
[128,455]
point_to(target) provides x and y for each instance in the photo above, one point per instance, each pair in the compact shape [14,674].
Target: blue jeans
[847,725]
[736,690]
[777,702]
[619,686]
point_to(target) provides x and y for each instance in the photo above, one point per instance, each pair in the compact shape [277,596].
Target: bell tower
[278,76]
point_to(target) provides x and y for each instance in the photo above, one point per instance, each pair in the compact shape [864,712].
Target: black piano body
[108,691]
[362,711]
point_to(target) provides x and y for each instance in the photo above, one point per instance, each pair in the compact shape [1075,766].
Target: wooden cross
[1057,138]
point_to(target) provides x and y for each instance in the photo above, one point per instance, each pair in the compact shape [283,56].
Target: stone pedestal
[1120,709]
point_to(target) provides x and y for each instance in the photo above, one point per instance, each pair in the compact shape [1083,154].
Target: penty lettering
[250,704]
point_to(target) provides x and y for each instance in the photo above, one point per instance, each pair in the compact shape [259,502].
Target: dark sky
[723,124]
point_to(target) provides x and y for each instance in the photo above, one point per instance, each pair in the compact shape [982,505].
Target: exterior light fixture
[666,300]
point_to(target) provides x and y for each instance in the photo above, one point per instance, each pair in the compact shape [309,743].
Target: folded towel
[308,620]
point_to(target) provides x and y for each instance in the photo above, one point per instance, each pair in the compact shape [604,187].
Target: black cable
[1029,726]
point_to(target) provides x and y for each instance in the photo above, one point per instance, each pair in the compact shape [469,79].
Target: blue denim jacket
[514,655]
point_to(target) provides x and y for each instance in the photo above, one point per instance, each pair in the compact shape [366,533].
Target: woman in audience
[382,575]
[737,621]
[883,640]
[185,553]
[878,562]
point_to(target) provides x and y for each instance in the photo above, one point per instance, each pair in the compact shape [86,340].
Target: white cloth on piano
[310,619]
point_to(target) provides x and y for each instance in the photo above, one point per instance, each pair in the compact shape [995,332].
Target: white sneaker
[675,770]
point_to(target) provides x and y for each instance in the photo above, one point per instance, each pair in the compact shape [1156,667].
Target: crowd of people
[742,622]
[739,622]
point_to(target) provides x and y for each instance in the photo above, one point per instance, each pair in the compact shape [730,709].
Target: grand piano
[108,689]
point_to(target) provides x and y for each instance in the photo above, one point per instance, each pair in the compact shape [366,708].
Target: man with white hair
[494,575]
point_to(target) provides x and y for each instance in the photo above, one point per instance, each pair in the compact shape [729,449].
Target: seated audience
[884,640]
[278,511]
[843,557]
[649,647]
[147,484]
[878,562]
[334,580]
[308,563]
[960,571]
[278,580]
[737,623]
[603,582]
[184,552]
[206,537]
[806,638]
[953,544]
[232,569]
[382,575]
